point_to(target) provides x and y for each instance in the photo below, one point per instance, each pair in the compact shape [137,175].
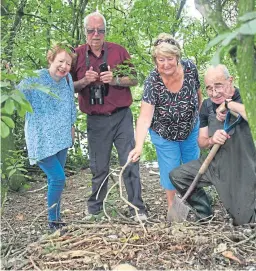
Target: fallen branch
[104,201]
[245,240]
[125,245]
[39,189]
[33,263]
[111,172]
[124,199]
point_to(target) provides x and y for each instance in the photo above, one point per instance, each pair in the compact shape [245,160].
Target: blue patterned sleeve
[23,87]
[149,93]
[73,105]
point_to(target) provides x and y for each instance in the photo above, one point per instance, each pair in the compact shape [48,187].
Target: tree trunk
[213,17]
[78,14]
[246,67]
[14,29]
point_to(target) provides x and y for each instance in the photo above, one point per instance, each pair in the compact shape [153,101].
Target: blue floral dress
[48,127]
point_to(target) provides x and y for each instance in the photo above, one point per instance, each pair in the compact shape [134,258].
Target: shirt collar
[102,49]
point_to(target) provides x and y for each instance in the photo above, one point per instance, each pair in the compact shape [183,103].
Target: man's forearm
[238,108]
[80,84]
[124,81]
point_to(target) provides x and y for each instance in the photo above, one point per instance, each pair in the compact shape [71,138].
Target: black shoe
[57,225]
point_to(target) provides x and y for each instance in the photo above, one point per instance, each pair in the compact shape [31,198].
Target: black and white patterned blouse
[175,113]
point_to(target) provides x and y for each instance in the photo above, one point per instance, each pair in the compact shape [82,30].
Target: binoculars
[97,93]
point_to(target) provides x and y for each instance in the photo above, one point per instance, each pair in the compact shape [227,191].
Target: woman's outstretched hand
[134,155]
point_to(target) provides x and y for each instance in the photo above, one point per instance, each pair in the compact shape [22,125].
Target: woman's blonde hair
[58,48]
[166,45]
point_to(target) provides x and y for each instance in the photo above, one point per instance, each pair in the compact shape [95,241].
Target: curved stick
[124,199]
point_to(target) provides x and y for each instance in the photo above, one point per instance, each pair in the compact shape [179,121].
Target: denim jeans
[53,167]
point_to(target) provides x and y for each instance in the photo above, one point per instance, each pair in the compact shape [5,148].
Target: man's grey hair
[225,71]
[94,14]
[221,67]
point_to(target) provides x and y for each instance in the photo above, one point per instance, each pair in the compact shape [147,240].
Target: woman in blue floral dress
[49,128]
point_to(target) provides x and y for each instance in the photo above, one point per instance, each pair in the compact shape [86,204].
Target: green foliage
[241,36]
[11,101]
[14,170]
[224,39]
[149,152]
[248,16]
[134,24]
[15,164]
[76,158]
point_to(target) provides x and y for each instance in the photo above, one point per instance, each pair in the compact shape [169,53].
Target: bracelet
[117,81]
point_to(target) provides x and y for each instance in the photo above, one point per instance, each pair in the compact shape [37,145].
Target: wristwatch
[117,81]
[226,103]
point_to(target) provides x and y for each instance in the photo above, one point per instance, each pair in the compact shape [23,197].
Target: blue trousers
[170,154]
[53,167]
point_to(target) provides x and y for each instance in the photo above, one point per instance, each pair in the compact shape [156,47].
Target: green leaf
[27,106]
[216,41]
[8,121]
[5,131]
[19,165]
[10,167]
[9,106]
[216,57]
[26,186]
[11,173]
[4,84]
[248,16]
[229,38]
[17,98]
[22,111]
[4,98]
[23,169]
[248,28]
[43,89]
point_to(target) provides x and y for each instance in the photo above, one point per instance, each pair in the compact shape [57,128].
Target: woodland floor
[102,244]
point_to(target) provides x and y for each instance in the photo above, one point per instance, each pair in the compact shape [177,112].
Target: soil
[99,243]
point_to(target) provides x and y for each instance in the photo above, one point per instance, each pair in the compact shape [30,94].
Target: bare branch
[182,4]
[14,29]
[213,17]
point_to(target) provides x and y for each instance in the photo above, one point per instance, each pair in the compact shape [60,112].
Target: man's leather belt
[109,114]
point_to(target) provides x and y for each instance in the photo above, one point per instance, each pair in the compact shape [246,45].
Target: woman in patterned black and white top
[169,109]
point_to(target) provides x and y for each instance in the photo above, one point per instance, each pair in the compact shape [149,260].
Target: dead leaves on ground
[174,246]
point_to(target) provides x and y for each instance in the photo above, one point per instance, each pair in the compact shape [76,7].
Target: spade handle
[202,170]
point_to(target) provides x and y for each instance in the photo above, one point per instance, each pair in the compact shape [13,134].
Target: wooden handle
[202,170]
[209,158]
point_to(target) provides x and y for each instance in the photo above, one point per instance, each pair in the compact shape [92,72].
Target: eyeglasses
[218,88]
[93,31]
[170,41]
